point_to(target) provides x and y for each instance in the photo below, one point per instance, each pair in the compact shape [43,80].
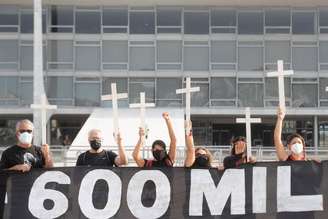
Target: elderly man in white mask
[24,155]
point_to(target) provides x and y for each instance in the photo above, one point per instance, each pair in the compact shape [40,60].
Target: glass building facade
[226,51]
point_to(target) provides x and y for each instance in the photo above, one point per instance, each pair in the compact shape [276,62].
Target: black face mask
[202,161]
[95,145]
[159,155]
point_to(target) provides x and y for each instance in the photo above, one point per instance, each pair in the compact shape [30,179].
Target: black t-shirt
[17,155]
[104,158]
[158,163]
[232,161]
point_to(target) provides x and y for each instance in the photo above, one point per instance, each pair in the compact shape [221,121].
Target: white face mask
[297,148]
[25,138]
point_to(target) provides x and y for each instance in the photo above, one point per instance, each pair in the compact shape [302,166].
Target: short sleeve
[3,161]
[79,161]
[111,157]
[41,161]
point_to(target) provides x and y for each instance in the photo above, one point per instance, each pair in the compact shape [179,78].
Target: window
[322,88]
[8,54]
[168,20]
[87,92]
[223,21]
[305,58]
[196,56]
[323,92]
[223,91]
[62,19]
[250,22]
[26,56]
[60,90]
[26,21]
[196,22]
[303,23]
[87,21]
[87,55]
[250,56]
[9,91]
[305,95]
[323,20]
[60,54]
[115,20]
[64,128]
[200,98]
[144,62]
[115,54]
[8,19]
[274,51]
[169,55]
[166,95]
[272,93]
[223,55]
[277,21]
[121,86]
[26,90]
[142,22]
[323,54]
[250,92]
[137,85]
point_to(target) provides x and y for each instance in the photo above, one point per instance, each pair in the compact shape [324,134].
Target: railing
[219,152]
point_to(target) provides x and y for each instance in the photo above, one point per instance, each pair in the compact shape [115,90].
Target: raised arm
[136,152]
[48,163]
[190,153]
[281,153]
[121,159]
[173,140]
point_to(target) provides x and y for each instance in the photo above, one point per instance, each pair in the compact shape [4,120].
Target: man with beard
[97,156]
[24,155]
[161,157]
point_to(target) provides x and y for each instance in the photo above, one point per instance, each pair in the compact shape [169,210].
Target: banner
[263,190]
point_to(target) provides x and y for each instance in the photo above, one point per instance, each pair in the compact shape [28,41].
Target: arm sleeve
[79,161]
[111,156]
[3,161]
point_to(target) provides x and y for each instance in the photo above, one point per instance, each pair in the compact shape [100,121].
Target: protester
[161,157]
[295,142]
[97,156]
[196,157]
[238,154]
[24,155]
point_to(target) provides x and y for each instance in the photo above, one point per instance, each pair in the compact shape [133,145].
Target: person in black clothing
[23,156]
[238,154]
[97,156]
[199,157]
[295,142]
[161,157]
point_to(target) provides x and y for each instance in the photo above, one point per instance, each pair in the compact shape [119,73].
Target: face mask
[25,138]
[202,161]
[95,145]
[297,148]
[159,154]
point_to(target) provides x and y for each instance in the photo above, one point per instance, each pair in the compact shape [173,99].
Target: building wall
[151,48]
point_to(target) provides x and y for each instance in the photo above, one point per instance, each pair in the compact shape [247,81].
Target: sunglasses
[25,130]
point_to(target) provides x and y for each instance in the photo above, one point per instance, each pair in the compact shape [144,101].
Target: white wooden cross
[43,107]
[142,105]
[114,97]
[248,120]
[188,91]
[281,84]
